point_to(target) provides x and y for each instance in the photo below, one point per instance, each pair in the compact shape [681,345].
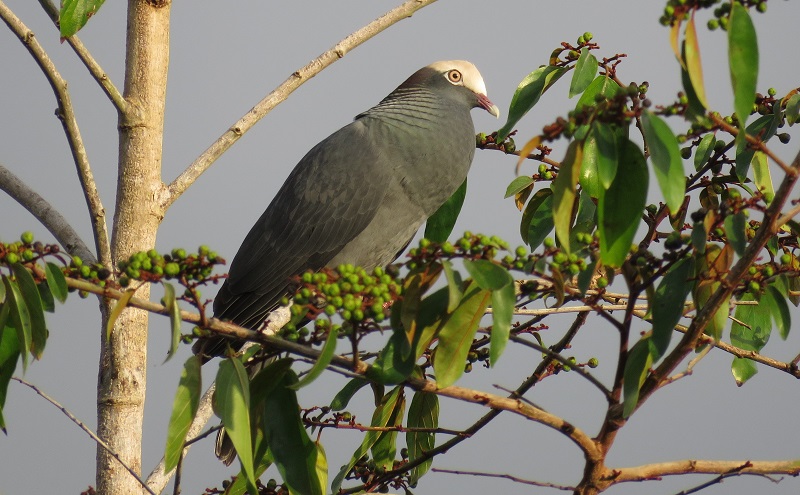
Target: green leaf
[743,369]
[455,338]
[48,303]
[298,458]
[174,318]
[440,224]
[518,184]
[347,392]
[793,109]
[232,405]
[669,303]
[709,267]
[184,408]
[423,413]
[75,14]
[118,309]
[20,318]
[743,60]
[608,140]
[666,157]
[776,305]
[323,361]
[537,220]
[636,368]
[763,128]
[9,353]
[694,66]
[385,447]
[602,85]
[33,301]
[762,176]
[380,418]
[704,151]
[585,70]
[564,192]
[527,95]
[454,284]
[56,282]
[735,226]
[618,220]
[394,364]
[493,277]
[751,334]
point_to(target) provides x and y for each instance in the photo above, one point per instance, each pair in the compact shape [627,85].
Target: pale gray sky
[223,61]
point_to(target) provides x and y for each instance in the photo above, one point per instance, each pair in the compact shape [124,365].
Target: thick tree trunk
[123,361]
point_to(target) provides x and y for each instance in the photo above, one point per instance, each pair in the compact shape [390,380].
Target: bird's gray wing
[329,198]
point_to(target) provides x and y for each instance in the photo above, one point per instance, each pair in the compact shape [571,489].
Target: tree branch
[509,477]
[85,428]
[45,214]
[690,466]
[91,64]
[66,115]
[279,94]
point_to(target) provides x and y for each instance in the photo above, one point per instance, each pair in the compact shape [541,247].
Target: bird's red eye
[454,76]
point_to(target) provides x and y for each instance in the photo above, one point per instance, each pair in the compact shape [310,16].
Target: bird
[359,196]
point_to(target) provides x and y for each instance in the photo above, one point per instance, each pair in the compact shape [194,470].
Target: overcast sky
[226,59]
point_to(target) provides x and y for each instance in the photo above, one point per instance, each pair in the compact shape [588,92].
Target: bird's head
[456,73]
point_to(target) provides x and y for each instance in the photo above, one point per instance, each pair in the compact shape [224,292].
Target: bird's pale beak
[486,104]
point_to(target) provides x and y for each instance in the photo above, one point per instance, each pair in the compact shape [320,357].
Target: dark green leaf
[590,175]
[527,95]
[56,282]
[393,364]
[455,338]
[184,407]
[564,192]
[323,361]
[735,231]
[608,141]
[666,157]
[347,392]
[669,303]
[602,85]
[19,318]
[585,277]
[777,307]
[174,318]
[423,413]
[48,303]
[75,14]
[232,405]
[295,454]
[537,220]
[441,223]
[503,301]
[704,151]
[265,380]
[618,220]
[518,184]
[743,60]
[585,70]
[488,275]
[636,368]
[33,301]
[9,353]
[793,109]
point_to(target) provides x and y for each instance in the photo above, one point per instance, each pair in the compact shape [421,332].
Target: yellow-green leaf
[564,192]
[184,408]
[118,309]
[694,65]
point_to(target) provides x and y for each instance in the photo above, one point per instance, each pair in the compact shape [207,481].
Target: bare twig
[66,115]
[45,213]
[509,477]
[720,479]
[85,428]
[91,64]
[279,94]
[691,466]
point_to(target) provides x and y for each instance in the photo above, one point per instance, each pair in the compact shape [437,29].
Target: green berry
[592,363]
[602,282]
[172,269]
[549,242]
[26,237]
[686,152]
[784,136]
[713,24]
[179,253]
[76,261]
[124,281]
[786,258]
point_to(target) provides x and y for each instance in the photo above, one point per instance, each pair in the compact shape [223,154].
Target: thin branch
[85,428]
[784,219]
[689,367]
[45,213]
[66,115]
[720,479]
[91,64]
[571,309]
[279,94]
[754,142]
[691,466]
[509,477]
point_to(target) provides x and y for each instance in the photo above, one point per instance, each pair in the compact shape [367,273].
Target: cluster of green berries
[470,246]
[25,250]
[722,13]
[573,363]
[353,293]
[481,355]
[571,263]
[270,488]
[483,140]
[152,266]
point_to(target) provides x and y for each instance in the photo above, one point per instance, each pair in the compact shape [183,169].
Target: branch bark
[279,94]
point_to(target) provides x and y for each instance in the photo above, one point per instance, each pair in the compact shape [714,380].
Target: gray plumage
[360,195]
